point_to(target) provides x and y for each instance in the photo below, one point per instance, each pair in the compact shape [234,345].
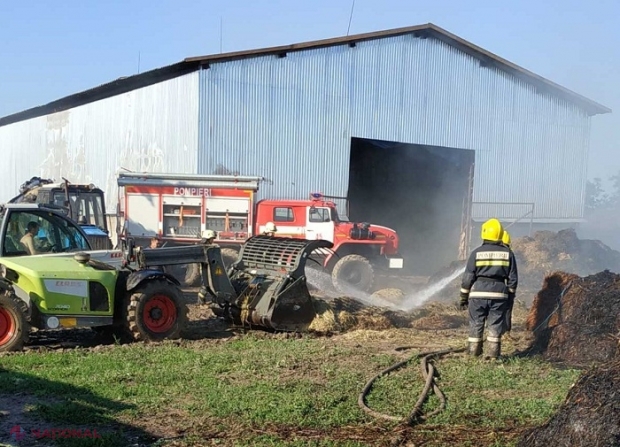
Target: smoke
[417,190]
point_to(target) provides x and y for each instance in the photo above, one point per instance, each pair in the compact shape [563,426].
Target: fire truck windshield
[335,217]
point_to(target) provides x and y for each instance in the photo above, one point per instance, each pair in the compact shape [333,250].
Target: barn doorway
[417,190]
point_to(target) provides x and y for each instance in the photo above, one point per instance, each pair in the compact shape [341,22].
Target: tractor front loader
[266,287]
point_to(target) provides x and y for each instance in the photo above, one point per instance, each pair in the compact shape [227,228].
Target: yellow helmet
[506,238]
[492,230]
[208,234]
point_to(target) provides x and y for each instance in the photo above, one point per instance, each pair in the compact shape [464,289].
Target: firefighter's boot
[475,347]
[494,345]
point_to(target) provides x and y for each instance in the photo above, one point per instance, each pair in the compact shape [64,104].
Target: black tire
[14,324]
[187,274]
[156,311]
[192,275]
[229,255]
[353,271]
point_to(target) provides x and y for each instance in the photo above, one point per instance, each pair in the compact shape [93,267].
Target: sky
[50,49]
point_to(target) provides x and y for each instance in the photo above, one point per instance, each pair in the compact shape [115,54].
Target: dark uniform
[489,281]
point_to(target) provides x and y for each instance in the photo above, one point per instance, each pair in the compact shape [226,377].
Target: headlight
[8,274]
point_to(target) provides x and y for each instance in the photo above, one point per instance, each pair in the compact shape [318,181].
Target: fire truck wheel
[192,275]
[14,325]
[229,255]
[156,311]
[353,271]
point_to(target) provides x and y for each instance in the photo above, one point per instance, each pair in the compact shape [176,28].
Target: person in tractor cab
[489,280]
[208,236]
[27,241]
[511,296]
[155,242]
[270,229]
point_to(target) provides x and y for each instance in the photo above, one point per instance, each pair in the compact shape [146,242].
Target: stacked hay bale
[547,252]
[576,320]
[589,415]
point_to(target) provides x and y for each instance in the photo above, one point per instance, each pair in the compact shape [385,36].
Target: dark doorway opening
[417,190]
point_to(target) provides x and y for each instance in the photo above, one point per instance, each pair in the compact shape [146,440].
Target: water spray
[417,299]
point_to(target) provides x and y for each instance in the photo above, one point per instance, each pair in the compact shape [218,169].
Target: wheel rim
[159,314]
[8,326]
[352,275]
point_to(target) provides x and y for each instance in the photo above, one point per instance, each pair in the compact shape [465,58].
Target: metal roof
[486,58]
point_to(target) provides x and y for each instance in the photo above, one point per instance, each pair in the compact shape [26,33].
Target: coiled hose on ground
[428,373]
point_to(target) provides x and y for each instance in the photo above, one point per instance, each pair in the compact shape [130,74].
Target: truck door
[319,224]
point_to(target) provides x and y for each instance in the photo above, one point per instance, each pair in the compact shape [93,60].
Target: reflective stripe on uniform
[464,290]
[493,339]
[478,294]
[497,255]
[492,263]
[474,340]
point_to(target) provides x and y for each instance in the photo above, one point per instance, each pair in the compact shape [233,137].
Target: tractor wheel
[353,271]
[187,274]
[229,255]
[156,311]
[14,325]
[192,275]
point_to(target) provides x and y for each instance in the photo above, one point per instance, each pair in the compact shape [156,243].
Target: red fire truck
[177,208]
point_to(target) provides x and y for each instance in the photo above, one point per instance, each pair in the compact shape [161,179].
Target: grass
[274,392]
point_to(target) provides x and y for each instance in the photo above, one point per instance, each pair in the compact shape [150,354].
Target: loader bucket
[271,284]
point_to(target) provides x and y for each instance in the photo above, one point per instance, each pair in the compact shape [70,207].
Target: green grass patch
[255,383]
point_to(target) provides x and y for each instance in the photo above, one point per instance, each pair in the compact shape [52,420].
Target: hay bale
[588,416]
[572,315]
[392,295]
[547,252]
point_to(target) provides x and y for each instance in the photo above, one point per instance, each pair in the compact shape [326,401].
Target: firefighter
[270,229]
[489,280]
[511,296]
[208,236]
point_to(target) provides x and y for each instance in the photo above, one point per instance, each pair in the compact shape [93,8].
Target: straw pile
[547,252]
[589,415]
[346,314]
[544,253]
[576,320]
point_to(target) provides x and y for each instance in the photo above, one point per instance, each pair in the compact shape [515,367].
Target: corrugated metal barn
[324,116]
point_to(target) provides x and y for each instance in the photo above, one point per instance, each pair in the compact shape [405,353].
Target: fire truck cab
[358,249]
[175,209]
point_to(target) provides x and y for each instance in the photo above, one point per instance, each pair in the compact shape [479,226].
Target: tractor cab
[85,204]
[33,230]
[46,230]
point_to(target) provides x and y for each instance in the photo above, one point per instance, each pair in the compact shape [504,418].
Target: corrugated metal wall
[291,120]
[154,129]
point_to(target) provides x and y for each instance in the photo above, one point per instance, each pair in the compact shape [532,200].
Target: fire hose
[428,373]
